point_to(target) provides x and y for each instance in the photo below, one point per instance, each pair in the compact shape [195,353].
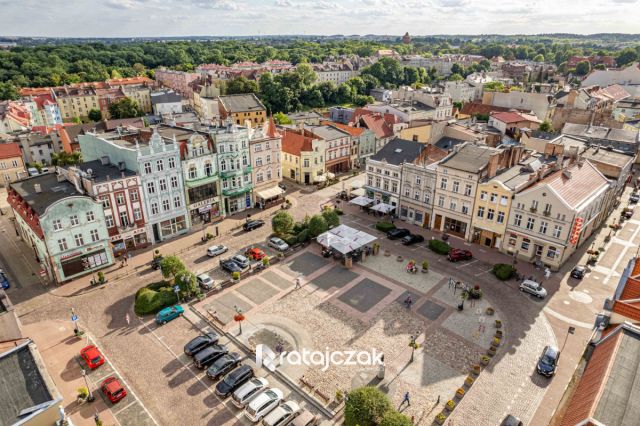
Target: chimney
[37,188]
[104,160]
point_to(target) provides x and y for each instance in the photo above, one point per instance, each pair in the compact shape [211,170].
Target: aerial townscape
[389,229]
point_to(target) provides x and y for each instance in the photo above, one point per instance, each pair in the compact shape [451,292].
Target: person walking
[408,302]
[406,399]
[298,286]
[126,318]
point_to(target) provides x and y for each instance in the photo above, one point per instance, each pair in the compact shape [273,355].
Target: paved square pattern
[414,296]
[277,280]
[430,310]
[364,295]
[337,276]
[306,264]
[257,291]
[391,268]
[224,306]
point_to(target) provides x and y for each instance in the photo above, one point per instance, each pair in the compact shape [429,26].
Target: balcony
[232,192]
[230,173]
[247,169]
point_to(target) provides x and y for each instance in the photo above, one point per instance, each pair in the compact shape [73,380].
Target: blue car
[167,314]
[4,281]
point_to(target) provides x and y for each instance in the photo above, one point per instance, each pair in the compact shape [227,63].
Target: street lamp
[238,317]
[570,330]
[90,398]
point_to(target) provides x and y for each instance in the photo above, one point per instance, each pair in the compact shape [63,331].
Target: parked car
[234,380]
[459,254]
[282,415]
[252,224]
[223,365]
[167,314]
[255,253]
[230,266]
[241,261]
[4,281]
[397,233]
[113,389]
[579,272]
[628,212]
[511,420]
[534,288]
[155,263]
[263,404]
[208,355]
[548,361]
[305,418]
[197,344]
[245,393]
[412,239]
[92,356]
[634,197]
[282,186]
[205,281]
[278,244]
[214,251]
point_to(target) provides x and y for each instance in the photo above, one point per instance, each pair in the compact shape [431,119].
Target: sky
[145,18]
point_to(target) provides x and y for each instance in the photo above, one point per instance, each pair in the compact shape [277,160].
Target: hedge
[154,297]
[503,271]
[439,247]
[385,226]
[303,236]
[290,239]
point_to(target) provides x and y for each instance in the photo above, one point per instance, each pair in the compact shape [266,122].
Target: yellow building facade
[491,213]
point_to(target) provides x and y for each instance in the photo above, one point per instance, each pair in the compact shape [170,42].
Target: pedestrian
[126,318]
[438,401]
[297,284]
[408,302]
[406,399]
[279,347]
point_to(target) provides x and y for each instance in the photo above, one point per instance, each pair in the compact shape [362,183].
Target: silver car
[248,391]
[278,244]
[214,251]
[534,288]
[205,281]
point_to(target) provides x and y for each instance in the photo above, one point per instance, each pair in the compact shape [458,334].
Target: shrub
[425,264]
[439,247]
[153,298]
[503,271]
[331,217]
[291,239]
[303,236]
[83,392]
[338,212]
[282,223]
[365,406]
[317,225]
[235,276]
[393,418]
[385,226]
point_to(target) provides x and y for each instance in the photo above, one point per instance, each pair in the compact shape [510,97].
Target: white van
[263,404]
[243,395]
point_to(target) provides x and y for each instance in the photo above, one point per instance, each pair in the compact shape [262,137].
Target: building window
[483,195]
[480,211]
[500,218]
[517,220]
[174,182]
[547,209]
[268,159]
[513,239]
[394,187]
[407,191]
[268,174]
[79,240]
[94,235]
[427,198]
[134,195]
[105,201]
[172,163]
[534,205]
[370,180]
[160,165]
[465,209]
[503,200]
[494,197]
[74,220]
[443,183]
[223,165]
[147,168]
[441,201]
[385,184]
[416,196]
[62,244]
[151,188]
[530,223]
[418,180]
[557,230]
[525,244]
[154,208]
[259,177]
[176,202]
[120,198]
[137,214]
[109,221]
[166,205]
[57,224]
[456,186]
[467,190]
[552,252]
[543,227]
[90,216]
[124,219]
[208,169]
[305,162]
[453,204]
[193,173]
[490,214]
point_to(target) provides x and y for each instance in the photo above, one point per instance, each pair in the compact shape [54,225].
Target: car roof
[113,385]
[531,282]
[239,256]
[551,350]
[203,276]
[240,370]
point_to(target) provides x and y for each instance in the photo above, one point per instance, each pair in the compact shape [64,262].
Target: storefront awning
[321,178]
[361,201]
[383,208]
[270,193]
[330,175]
[359,192]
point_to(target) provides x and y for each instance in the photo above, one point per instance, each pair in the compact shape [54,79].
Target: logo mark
[265,357]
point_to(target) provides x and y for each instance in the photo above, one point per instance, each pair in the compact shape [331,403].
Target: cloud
[284,3]
[121,4]
[452,4]
[216,4]
[625,1]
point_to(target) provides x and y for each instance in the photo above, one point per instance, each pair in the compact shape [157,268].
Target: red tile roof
[511,117]
[10,150]
[377,124]
[294,143]
[352,130]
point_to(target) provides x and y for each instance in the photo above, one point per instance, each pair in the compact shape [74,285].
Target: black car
[548,361]
[634,198]
[394,234]
[252,224]
[199,343]
[234,380]
[223,365]
[579,272]
[412,239]
[282,186]
[511,420]
[208,355]
[230,266]
[155,263]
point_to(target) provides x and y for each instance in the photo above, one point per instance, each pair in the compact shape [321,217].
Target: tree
[626,56]
[281,118]
[393,418]
[282,223]
[545,126]
[241,85]
[307,75]
[455,77]
[317,225]
[538,58]
[583,68]
[125,108]
[494,86]
[331,218]
[8,91]
[187,282]
[171,267]
[95,115]
[366,406]
[65,159]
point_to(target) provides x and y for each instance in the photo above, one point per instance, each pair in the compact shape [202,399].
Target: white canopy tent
[383,208]
[362,200]
[345,239]
[358,192]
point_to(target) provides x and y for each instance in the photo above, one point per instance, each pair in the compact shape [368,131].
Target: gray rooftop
[607,156]
[470,158]
[539,134]
[448,143]
[23,390]
[51,191]
[598,132]
[304,115]
[165,97]
[101,173]
[242,103]
[328,133]
[398,151]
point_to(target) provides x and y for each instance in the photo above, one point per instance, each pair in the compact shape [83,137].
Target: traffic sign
[176,288]
[74,318]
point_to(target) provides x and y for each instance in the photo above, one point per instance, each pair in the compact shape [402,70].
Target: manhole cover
[581,297]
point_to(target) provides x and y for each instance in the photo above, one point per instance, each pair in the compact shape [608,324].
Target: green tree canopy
[366,406]
[8,91]
[125,108]
[63,158]
[282,223]
[171,267]
[241,85]
[281,118]
[393,418]
[583,68]
[317,225]
[331,218]
[95,115]
[494,86]
[545,126]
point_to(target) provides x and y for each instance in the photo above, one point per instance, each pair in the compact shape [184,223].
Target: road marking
[487,271]
[467,264]
[567,319]
[621,256]
[124,408]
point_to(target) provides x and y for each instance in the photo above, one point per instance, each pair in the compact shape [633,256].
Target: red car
[113,390]
[92,356]
[255,254]
[459,254]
